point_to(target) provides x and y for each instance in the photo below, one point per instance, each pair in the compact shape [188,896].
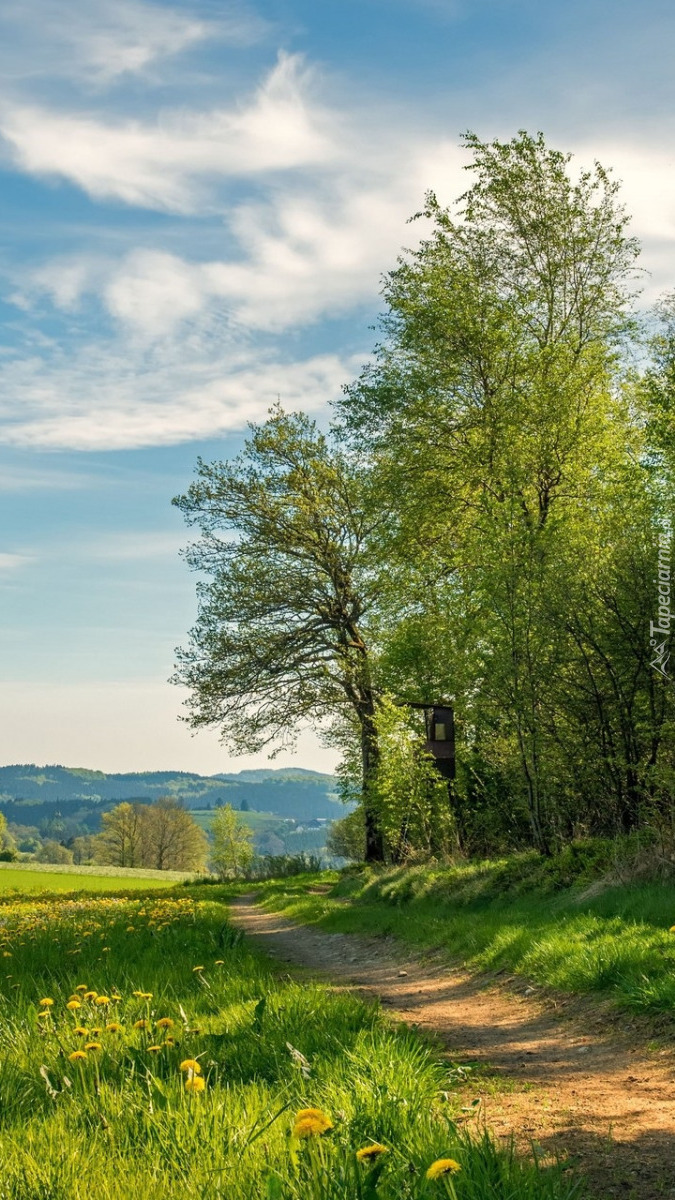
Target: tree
[162,836]
[496,423]
[232,843]
[282,635]
[54,852]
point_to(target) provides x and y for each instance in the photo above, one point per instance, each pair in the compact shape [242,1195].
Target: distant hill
[30,795]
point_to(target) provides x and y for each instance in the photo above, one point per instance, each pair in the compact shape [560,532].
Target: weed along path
[575,1081]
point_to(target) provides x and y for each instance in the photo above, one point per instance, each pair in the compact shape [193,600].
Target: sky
[197,204]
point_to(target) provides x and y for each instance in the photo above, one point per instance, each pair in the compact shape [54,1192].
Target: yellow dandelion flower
[80,1031]
[77,1056]
[369,1153]
[165,1023]
[191,1064]
[311,1122]
[154,1049]
[197,968]
[169,1041]
[81,987]
[116,996]
[194,1084]
[141,1024]
[102,1000]
[47,1002]
[220,962]
[146,995]
[97,1032]
[131,929]
[92,1046]
[90,995]
[137,993]
[73,1005]
[113,1026]
[443,1166]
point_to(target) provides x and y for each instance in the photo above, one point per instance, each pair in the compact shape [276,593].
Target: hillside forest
[485,524]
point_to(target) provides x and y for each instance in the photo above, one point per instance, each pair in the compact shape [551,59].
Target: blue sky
[197,202]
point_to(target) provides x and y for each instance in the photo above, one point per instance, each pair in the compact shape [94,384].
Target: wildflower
[220,962]
[154,1049]
[113,1027]
[369,1153]
[81,987]
[73,1005]
[116,996]
[47,1002]
[131,929]
[191,1064]
[443,1166]
[165,1023]
[102,1000]
[77,1056]
[311,1122]
[146,995]
[169,1041]
[80,1031]
[140,1024]
[137,993]
[96,1032]
[197,969]
[91,1046]
[194,1084]
[90,995]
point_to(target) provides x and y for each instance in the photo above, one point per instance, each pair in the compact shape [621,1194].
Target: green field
[51,877]
[145,1051]
[579,939]
[258,822]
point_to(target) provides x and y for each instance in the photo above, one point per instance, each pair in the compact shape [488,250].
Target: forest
[486,523]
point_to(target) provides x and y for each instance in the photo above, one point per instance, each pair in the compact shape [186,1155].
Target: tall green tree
[287,593]
[231,843]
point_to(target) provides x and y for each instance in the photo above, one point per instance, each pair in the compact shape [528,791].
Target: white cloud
[13,562]
[97,43]
[166,164]
[99,401]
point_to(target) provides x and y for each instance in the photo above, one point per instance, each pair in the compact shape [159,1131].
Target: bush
[54,852]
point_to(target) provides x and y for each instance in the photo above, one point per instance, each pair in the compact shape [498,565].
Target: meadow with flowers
[146,1051]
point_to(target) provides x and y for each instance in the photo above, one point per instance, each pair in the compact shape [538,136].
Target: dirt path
[574,1081]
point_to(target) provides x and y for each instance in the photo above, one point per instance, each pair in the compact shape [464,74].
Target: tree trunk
[370,757]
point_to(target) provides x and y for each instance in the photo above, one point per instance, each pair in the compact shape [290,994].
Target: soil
[570,1076]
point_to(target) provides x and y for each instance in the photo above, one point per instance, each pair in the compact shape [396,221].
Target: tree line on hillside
[487,523]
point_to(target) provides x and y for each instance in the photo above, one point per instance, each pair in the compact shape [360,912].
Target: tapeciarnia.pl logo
[659,630]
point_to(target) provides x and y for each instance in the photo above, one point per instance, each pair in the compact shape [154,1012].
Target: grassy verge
[107,1004]
[617,942]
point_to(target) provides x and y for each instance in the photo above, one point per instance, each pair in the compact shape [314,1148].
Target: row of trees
[487,523]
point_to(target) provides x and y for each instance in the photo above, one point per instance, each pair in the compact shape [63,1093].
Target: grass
[94,1102]
[616,942]
[57,877]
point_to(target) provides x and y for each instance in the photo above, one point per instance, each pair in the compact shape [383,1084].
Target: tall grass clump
[145,1051]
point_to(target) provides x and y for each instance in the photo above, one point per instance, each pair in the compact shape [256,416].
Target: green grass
[258,822]
[121,1122]
[616,942]
[53,877]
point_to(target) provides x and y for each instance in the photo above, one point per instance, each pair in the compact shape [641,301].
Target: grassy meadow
[147,1052]
[33,877]
[555,928]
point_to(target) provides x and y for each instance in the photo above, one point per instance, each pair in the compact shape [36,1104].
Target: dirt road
[569,1078]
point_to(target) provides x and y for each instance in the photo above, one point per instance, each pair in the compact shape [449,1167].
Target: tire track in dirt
[567,1077]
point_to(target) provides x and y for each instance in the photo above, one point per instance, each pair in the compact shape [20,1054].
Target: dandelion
[370,1153]
[197,969]
[77,1056]
[311,1122]
[102,1000]
[154,1049]
[169,1041]
[443,1166]
[73,1005]
[91,1046]
[220,962]
[82,987]
[131,929]
[80,1031]
[90,995]
[142,1024]
[113,1027]
[137,994]
[47,1002]
[97,1032]
[194,1084]
[165,1023]
[191,1064]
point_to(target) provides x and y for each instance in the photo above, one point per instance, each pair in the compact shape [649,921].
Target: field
[577,939]
[52,877]
[258,822]
[147,1052]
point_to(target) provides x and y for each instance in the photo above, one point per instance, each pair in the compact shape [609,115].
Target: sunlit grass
[144,1051]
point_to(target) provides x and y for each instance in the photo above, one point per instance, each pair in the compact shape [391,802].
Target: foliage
[347,838]
[53,852]
[171,985]
[163,836]
[231,850]
[283,866]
